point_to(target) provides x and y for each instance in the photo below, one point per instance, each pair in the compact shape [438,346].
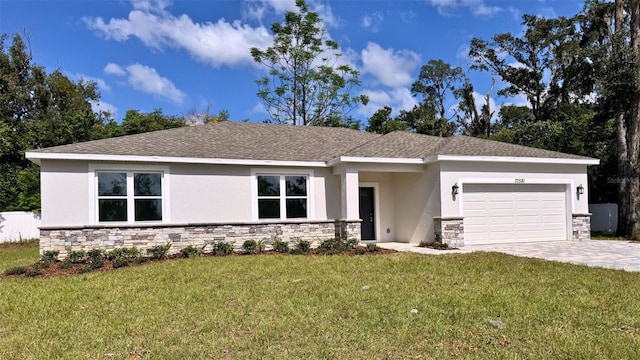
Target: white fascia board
[376,160]
[37,156]
[509,159]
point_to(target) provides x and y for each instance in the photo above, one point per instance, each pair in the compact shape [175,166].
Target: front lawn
[271,306]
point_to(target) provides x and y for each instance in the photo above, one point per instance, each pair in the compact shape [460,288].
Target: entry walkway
[609,254]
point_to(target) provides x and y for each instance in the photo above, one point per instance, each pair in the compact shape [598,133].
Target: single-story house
[233,181]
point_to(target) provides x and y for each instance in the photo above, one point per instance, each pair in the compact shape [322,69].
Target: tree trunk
[628,127]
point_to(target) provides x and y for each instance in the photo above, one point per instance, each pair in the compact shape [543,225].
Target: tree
[612,39]
[436,81]
[306,85]
[474,123]
[36,110]
[381,122]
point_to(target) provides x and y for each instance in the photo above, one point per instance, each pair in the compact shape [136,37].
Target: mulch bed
[56,268]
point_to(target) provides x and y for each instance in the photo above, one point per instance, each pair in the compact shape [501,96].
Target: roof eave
[376,160]
[36,157]
[511,159]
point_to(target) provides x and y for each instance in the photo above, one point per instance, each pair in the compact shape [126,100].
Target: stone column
[449,230]
[348,229]
[581,227]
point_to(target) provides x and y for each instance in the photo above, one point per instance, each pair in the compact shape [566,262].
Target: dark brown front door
[367,213]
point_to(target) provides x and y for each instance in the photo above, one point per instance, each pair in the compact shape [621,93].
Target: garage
[507,213]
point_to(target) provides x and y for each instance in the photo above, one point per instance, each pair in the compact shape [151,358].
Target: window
[282,196]
[129,196]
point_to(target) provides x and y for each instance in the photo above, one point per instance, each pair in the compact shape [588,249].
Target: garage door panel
[514,213]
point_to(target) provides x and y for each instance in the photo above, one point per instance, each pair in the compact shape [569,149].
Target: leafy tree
[381,122]
[436,81]
[305,85]
[474,123]
[36,110]
[136,122]
[611,38]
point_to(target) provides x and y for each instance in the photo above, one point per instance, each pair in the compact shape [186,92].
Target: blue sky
[184,55]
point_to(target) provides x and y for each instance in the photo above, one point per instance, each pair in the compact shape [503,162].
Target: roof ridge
[375,137]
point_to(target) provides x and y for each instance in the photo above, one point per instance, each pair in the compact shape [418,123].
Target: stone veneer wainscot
[581,227]
[108,238]
[449,230]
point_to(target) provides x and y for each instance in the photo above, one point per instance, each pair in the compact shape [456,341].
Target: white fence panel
[19,225]
[604,217]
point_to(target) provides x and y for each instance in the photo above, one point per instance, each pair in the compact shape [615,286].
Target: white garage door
[507,213]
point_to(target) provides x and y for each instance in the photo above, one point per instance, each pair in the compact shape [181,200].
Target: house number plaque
[519,181]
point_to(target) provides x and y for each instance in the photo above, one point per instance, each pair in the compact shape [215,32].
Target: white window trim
[283,209]
[93,192]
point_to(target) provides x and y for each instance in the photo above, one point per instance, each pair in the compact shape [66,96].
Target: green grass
[604,235]
[316,307]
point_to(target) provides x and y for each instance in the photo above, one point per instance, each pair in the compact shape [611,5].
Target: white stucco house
[233,181]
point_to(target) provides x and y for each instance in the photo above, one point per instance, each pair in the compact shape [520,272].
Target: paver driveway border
[611,254]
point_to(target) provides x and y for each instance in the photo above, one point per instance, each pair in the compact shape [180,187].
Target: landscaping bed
[79,262]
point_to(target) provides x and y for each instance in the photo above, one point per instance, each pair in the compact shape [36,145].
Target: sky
[195,55]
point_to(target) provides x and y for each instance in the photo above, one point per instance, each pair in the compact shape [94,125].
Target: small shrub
[42,264]
[301,247]
[159,252]
[280,246]
[360,250]
[250,247]
[332,246]
[352,243]
[221,248]
[129,254]
[635,235]
[66,264]
[371,247]
[34,272]
[95,255]
[261,245]
[424,243]
[142,260]
[120,262]
[76,257]
[190,251]
[50,255]
[96,264]
[16,270]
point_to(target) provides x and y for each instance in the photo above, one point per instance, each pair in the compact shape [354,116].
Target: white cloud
[476,7]
[147,80]
[373,21]
[217,44]
[102,85]
[256,9]
[102,106]
[114,69]
[391,68]
[397,98]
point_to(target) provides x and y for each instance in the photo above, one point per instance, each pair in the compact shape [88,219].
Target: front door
[367,213]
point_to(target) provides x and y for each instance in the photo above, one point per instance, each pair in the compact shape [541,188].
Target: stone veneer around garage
[111,237]
[449,231]
[581,227]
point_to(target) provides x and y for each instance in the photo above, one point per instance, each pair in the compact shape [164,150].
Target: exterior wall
[581,227]
[19,225]
[108,238]
[346,229]
[417,199]
[64,193]
[194,193]
[449,231]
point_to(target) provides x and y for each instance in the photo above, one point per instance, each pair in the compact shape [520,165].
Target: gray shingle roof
[241,140]
[229,140]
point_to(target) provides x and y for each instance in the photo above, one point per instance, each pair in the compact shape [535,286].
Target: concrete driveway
[609,254]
